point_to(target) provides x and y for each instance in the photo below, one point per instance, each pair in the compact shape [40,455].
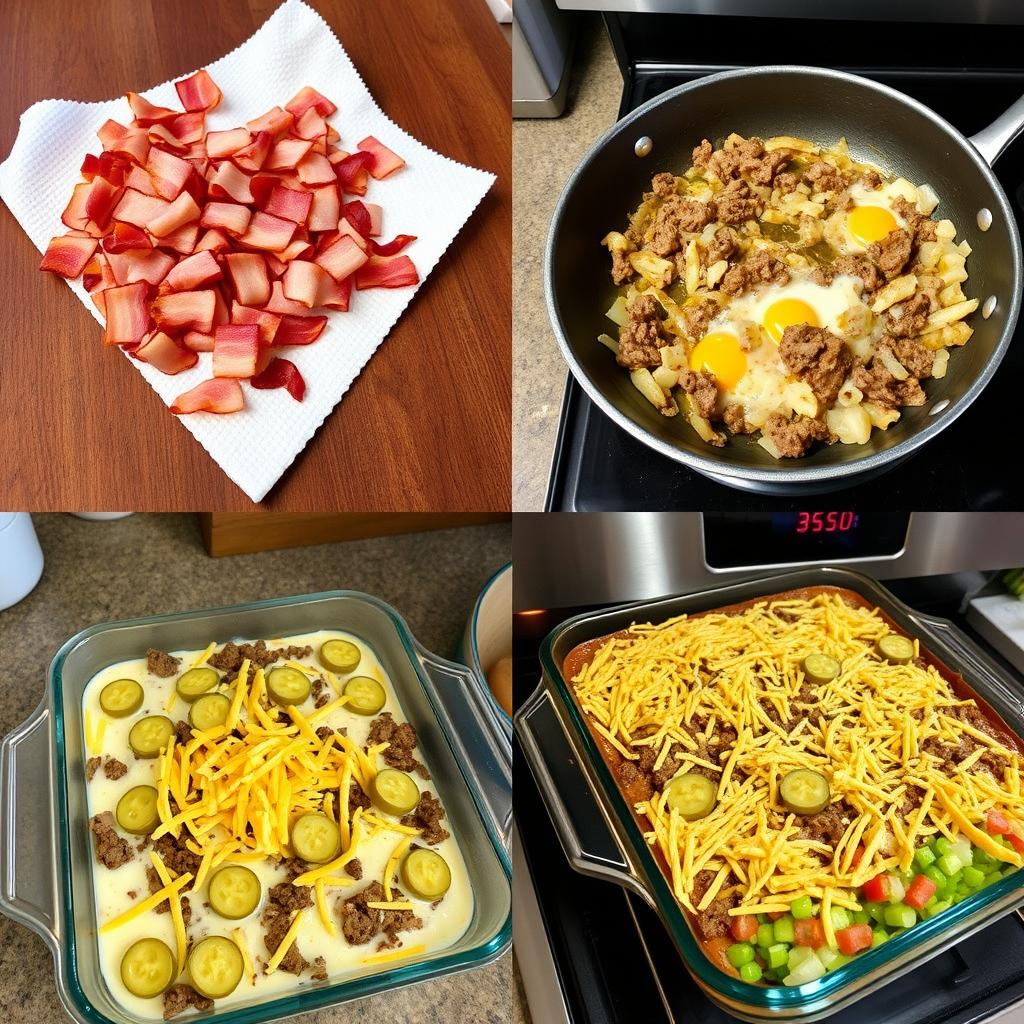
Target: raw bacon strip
[146,113]
[376,217]
[198,92]
[228,180]
[253,156]
[197,341]
[168,172]
[267,232]
[289,204]
[352,171]
[139,209]
[185,309]
[344,257]
[182,240]
[163,352]
[286,154]
[382,272]
[127,313]
[248,272]
[221,144]
[217,395]
[299,330]
[215,240]
[182,211]
[149,265]
[68,255]
[266,322]
[126,236]
[308,97]
[281,373]
[194,272]
[325,210]
[235,349]
[397,244]
[232,217]
[385,161]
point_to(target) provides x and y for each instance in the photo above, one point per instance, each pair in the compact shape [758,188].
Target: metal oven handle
[583,829]
[992,140]
[28,872]
[482,743]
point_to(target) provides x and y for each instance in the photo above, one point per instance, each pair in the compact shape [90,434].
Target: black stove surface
[615,963]
[599,466]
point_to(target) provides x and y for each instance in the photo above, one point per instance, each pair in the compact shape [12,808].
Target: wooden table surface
[426,426]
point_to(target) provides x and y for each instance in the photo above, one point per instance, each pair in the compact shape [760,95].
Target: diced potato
[674,357]
[951,293]
[952,334]
[906,189]
[651,268]
[891,363]
[617,311]
[705,431]
[716,272]
[805,206]
[927,200]
[791,142]
[849,394]
[692,265]
[945,229]
[852,425]
[950,314]
[940,363]
[928,254]
[880,417]
[964,248]
[855,321]
[769,446]
[954,275]
[773,216]
[898,289]
[616,242]
[645,383]
[609,342]
[665,378]
[798,396]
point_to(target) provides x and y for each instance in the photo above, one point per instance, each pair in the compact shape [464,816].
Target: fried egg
[871,217]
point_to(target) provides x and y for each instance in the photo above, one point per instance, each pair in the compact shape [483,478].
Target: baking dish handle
[991,141]
[580,822]
[28,874]
[480,739]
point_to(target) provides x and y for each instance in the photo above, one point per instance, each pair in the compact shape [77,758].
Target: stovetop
[616,965]
[970,75]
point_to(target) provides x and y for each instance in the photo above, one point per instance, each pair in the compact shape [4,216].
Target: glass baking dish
[46,851]
[600,836]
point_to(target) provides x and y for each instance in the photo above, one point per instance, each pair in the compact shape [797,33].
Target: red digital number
[803,520]
[832,521]
[846,521]
[825,522]
[817,521]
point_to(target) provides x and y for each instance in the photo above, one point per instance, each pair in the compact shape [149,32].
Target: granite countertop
[544,154]
[148,564]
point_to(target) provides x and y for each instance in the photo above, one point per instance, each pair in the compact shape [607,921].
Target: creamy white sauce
[442,926]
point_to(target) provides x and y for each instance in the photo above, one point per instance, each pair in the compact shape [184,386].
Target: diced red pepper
[854,938]
[387,272]
[876,890]
[235,349]
[919,892]
[385,161]
[1015,841]
[281,373]
[743,927]
[220,395]
[198,91]
[857,854]
[68,255]
[809,932]
[997,824]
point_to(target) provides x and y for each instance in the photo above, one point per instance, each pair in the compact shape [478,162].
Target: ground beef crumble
[818,358]
[282,899]
[354,868]
[760,268]
[401,740]
[92,766]
[702,387]
[891,253]
[360,923]
[160,663]
[427,816]
[910,317]
[179,998]
[230,657]
[793,437]
[114,769]
[111,849]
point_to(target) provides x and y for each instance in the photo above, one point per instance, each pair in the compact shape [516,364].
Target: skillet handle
[586,837]
[28,873]
[991,141]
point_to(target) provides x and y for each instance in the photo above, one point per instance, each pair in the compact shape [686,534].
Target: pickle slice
[895,649]
[121,698]
[147,968]
[215,966]
[209,711]
[149,734]
[287,686]
[804,791]
[394,792]
[692,795]
[366,696]
[136,811]
[195,682]
[315,838]
[820,668]
[426,874]
[340,655]
[235,891]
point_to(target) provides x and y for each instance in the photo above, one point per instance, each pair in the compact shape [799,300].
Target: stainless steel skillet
[881,125]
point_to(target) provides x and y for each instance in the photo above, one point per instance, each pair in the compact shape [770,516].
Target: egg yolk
[870,224]
[720,353]
[787,313]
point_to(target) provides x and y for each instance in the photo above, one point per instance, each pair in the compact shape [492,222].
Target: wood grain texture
[425,427]
[241,533]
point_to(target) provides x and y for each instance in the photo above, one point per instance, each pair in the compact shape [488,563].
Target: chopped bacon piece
[146,114]
[299,330]
[276,121]
[139,209]
[342,258]
[127,313]
[197,341]
[286,154]
[280,303]
[358,215]
[163,352]
[396,245]
[180,133]
[75,215]
[185,309]
[100,203]
[248,272]
[220,395]
[266,322]
[326,209]
[149,265]
[182,240]
[221,144]
[352,171]
[168,172]
[198,91]
[384,272]
[281,373]
[376,217]
[215,240]
[289,203]
[385,161]
[126,236]
[182,211]
[267,232]
[253,156]
[315,169]
[232,217]
[311,125]
[232,182]
[67,255]
[308,97]
[235,349]
[194,272]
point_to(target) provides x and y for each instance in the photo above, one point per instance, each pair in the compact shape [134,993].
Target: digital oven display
[738,540]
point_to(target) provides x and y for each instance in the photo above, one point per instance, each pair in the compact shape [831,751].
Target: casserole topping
[284,834]
[871,796]
[781,288]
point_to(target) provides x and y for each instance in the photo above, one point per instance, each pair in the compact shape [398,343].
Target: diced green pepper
[937,876]
[950,863]
[899,915]
[740,953]
[877,911]
[765,935]
[878,936]
[778,955]
[840,919]
[784,930]
[861,916]
[750,972]
[974,878]
[943,846]
[839,961]
[924,857]
[802,908]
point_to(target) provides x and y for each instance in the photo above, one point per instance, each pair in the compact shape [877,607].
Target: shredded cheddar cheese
[286,943]
[177,919]
[727,694]
[398,954]
[148,903]
[243,947]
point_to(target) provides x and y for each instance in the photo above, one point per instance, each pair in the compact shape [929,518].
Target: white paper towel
[431,198]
